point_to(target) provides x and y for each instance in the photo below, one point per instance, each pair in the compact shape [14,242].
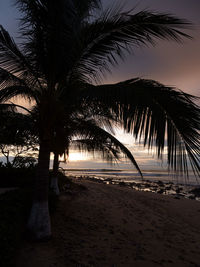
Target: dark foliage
[14,208]
[17,177]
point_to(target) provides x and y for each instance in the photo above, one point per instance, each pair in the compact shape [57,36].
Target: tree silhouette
[86,134]
[16,134]
[66,47]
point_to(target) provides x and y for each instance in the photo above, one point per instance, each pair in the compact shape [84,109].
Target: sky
[168,62]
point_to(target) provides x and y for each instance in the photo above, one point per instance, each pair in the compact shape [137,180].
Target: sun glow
[76,156]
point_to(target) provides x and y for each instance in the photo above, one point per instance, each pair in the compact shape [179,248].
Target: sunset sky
[170,63]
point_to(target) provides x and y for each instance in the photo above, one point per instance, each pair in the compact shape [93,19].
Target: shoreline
[178,191]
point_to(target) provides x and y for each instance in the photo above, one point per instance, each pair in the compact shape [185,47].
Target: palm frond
[99,139]
[160,115]
[13,61]
[11,86]
[7,79]
[16,90]
[107,152]
[8,108]
[110,37]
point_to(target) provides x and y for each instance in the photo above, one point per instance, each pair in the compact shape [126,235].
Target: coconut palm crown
[66,47]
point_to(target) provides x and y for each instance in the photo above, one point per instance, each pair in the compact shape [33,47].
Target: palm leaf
[13,61]
[113,35]
[157,115]
[16,90]
[11,85]
[9,108]
[101,140]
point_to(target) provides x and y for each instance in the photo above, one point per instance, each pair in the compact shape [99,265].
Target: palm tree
[66,48]
[88,135]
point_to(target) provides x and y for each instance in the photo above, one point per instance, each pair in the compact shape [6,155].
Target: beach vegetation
[18,139]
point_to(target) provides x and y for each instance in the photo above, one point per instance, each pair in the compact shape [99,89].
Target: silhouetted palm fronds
[158,116]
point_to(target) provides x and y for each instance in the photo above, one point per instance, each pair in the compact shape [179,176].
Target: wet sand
[107,225]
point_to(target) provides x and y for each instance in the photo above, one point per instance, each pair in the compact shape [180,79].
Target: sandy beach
[107,225]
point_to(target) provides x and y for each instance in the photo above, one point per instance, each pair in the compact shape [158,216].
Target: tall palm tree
[66,47]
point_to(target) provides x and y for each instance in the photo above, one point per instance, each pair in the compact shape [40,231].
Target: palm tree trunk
[39,221]
[54,179]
